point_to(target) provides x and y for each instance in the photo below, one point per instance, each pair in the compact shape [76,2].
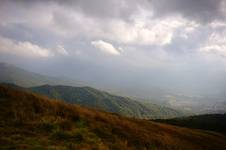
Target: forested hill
[87,96]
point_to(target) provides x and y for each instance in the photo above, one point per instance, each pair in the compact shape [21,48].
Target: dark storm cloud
[104,8]
[97,8]
[200,10]
[203,11]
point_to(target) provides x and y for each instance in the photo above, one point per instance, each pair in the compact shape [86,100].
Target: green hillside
[30,121]
[91,97]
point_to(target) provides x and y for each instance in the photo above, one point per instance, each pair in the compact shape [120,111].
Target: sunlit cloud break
[106,47]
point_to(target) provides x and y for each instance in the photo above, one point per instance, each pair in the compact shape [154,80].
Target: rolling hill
[212,122]
[15,75]
[87,96]
[31,121]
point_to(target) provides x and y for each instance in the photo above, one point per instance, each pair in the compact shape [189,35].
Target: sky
[126,46]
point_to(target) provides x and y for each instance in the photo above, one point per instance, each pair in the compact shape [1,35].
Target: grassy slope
[31,121]
[213,122]
[87,96]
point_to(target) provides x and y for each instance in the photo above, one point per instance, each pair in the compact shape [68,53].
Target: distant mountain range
[87,96]
[32,121]
[15,75]
[187,104]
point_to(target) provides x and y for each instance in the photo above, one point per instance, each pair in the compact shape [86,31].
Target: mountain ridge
[15,75]
[96,98]
[87,96]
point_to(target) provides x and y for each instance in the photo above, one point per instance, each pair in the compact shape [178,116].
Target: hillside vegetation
[213,122]
[87,96]
[30,121]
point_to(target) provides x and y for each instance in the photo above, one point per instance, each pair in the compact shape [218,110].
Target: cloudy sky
[123,45]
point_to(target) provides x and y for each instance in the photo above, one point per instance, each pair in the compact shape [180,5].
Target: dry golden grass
[31,121]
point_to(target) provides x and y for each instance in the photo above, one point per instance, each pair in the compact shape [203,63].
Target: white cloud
[217,24]
[61,50]
[23,48]
[106,47]
[215,49]
[146,30]
[216,44]
[142,29]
